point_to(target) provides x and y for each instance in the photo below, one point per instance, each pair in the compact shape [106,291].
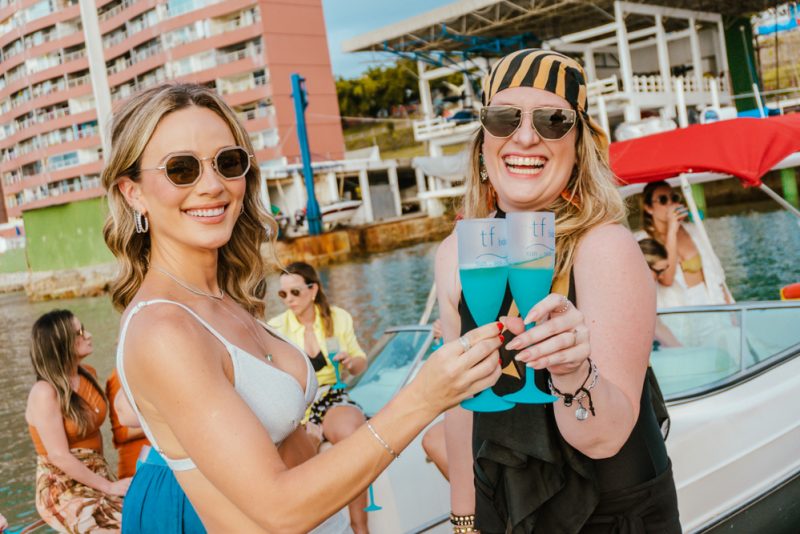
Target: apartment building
[50,149]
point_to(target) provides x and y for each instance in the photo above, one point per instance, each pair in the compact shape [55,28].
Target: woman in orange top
[128,440]
[75,492]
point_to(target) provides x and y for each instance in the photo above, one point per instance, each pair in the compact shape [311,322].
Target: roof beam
[672,36]
[585,34]
[669,12]
[637,34]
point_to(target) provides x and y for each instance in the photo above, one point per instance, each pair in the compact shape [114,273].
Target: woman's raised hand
[676,216]
[461,368]
[560,340]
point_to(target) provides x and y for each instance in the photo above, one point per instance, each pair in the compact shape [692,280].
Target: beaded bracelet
[382,442]
[583,392]
[462,520]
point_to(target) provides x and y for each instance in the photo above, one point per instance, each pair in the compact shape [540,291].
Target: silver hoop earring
[484,174]
[141,222]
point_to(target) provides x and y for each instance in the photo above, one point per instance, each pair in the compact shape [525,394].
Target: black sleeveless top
[527,475]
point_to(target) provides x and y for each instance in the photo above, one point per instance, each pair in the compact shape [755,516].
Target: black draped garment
[529,479]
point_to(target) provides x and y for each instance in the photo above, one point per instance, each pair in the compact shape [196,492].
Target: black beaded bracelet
[583,392]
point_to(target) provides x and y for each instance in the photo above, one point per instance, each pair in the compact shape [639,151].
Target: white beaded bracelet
[381,441]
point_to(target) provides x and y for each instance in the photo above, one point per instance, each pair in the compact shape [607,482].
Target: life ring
[791,292]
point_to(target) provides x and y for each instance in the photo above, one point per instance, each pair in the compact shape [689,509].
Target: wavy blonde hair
[54,360]
[590,198]
[240,268]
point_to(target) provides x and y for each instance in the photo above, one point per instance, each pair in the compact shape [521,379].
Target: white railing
[426,129]
[72,56]
[116,39]
[141,55]
[116,10]
[602,87]
[230,57]
[75,82]
[655,84]
[252,114]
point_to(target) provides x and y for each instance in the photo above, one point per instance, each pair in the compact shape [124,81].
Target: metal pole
[97,72]
[687,194]
[759,103]
[680,100]
[300,103]
[429,304]
[780,200]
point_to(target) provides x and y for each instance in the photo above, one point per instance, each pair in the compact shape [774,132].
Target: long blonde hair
[54,360]
[590,198]
[241,270]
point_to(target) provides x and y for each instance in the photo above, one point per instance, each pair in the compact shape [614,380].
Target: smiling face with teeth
[199,216]
[528,172]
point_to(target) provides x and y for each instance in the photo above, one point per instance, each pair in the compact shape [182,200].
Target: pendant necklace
[188,287]
[219,298]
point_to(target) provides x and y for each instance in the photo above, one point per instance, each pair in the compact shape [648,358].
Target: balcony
[229,57]
[116,10]
[76,82]
[253,114]
[66,57]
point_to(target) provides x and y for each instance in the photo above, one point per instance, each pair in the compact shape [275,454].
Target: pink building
[246,49]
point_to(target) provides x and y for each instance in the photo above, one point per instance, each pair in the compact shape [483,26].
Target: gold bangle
[382,442]
[462,520]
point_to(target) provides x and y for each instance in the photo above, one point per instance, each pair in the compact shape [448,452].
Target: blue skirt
[155,502]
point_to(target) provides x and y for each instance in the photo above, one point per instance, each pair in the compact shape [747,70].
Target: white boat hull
[734,446]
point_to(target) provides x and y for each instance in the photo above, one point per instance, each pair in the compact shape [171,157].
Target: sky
[348,18]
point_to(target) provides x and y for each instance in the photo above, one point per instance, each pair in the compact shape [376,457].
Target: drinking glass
[531,259]
[333,349]
[483,269]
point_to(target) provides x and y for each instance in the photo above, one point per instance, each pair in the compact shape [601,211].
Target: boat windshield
[393,361]
[698,350]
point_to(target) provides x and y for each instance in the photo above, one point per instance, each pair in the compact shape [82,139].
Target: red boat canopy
[745,148]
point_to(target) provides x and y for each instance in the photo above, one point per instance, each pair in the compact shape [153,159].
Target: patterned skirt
[326,399]
[68,506]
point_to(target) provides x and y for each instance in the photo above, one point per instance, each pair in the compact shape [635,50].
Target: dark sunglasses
[551,124]
[184,168]
[674,198]
[81,331]
[658,271]
[294,291]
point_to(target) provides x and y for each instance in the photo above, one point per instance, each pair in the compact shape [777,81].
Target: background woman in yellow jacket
[313,324]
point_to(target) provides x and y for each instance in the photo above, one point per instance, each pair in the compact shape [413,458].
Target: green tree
[378,89]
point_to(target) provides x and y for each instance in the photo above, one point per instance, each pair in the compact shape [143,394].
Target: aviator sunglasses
[185,168]
[551,124]
[294,291]
[674,198]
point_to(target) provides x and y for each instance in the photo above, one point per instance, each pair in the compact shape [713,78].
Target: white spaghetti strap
[181,464]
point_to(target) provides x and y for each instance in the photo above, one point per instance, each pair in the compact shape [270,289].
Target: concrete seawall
[330,247]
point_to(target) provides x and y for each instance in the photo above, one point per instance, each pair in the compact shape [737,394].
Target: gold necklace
[251,332]
[189,287]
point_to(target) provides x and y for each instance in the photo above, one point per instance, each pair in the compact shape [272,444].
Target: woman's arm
[44,413]
[614,326]
[458,421]
[667,277]
[176,370]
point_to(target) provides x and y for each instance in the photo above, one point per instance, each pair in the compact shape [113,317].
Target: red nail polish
[502,338]
[500,326]
[500,361]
